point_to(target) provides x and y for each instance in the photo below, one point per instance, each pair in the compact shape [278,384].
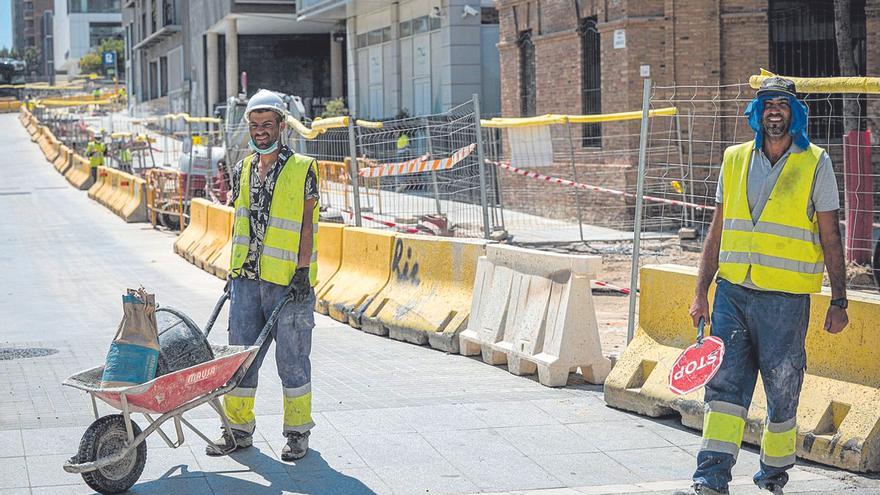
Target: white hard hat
[265,100]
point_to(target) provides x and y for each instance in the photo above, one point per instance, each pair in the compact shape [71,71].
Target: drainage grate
[8,353]
[14,193]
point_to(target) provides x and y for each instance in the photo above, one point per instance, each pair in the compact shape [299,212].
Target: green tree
[32,59]
[4,52]
[114,45]
[334,108]
[90,62]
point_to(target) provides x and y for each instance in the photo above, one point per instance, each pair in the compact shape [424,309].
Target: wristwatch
[841,303]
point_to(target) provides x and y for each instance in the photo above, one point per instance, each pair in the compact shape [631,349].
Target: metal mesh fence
[680,186]
[568,182]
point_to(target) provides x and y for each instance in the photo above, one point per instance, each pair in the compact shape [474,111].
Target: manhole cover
[7,353]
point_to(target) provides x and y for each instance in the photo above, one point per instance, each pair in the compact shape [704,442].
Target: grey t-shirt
[763,176]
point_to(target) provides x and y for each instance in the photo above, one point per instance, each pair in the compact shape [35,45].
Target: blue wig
[797,127]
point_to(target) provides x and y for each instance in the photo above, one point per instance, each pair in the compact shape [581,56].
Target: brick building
[590,56]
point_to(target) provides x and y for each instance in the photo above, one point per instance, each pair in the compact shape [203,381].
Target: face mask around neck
[271,149]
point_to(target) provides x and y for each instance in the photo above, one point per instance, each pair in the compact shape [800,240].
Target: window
[163,76]
[528,84]
[420,25]
[154,80]
[94,6]
[591,79]
[802,43]
[167,12]
[99,31]
[435,23]
[153,16]
[362,40]
[405,29]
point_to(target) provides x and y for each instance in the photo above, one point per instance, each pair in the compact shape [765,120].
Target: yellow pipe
[852,85]
[551,119]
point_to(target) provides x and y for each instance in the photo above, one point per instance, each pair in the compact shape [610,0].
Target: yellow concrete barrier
[35,129]
[195,229]
[135,208]
[839,412]
[102,182]
[363,273]
[428,296]
[62,162]
[123,194]
[329,253]
[218,233]
[107,193]
[219,265]
[79,172]
[534,311]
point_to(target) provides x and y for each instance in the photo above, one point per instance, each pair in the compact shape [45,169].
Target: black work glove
[299,287]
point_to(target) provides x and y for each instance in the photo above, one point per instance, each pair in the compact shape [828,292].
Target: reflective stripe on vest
[782,250]
[279,254]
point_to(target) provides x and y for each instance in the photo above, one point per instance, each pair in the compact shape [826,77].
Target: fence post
[482,166]
[637,225]
[574,176]
[353,171]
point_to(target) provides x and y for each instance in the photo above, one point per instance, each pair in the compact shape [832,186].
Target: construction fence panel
[680,185]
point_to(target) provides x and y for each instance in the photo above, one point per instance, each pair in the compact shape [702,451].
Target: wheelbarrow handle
[217,307]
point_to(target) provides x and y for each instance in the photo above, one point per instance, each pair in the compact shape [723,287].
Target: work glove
[299,287]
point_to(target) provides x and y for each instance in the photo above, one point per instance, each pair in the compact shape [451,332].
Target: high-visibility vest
[96,159]
[280,251]
[783,247]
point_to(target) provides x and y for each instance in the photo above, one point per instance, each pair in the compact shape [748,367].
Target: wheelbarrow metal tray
[167,392]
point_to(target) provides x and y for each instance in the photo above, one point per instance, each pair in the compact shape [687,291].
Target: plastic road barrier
[135,208]
[428,296]
[79,173]
[196,228]
[102,183]
[363,273]
[329,253]
[218,233]
[62,161]
[534,310]
[839,412]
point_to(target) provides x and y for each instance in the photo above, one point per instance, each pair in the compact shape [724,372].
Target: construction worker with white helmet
[95,151]
[275,196]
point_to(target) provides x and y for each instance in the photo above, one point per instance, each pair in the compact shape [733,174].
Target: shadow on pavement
[262,474]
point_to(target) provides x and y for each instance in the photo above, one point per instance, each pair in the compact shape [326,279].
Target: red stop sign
[696,366]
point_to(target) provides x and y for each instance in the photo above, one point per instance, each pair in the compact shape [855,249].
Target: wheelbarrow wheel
[103,438]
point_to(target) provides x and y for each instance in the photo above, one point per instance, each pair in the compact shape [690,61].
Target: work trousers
[251,305]
[762,331]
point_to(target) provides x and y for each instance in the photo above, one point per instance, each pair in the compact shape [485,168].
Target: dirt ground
[612,307]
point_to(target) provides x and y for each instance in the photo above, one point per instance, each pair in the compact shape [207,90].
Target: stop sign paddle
[697,364]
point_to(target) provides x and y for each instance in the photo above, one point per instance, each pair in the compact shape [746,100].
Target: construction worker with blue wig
[774,232]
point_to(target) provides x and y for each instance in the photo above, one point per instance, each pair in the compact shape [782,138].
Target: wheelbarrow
[113,450]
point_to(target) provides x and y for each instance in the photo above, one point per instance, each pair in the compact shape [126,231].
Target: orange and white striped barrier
[589,187]
[417,165]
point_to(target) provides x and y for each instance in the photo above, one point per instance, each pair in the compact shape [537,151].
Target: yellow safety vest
[96,159]
[280,250]
[782,247]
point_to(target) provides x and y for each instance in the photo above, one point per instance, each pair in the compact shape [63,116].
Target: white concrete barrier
[534,310]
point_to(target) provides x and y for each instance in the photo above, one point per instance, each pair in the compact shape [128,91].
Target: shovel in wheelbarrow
[113,450]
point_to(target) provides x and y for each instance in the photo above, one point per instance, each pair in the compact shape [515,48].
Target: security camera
[436,11]
[468,10]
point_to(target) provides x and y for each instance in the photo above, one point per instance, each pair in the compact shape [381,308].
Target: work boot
[772,488]
[225,445]
[297,446]
[698,489]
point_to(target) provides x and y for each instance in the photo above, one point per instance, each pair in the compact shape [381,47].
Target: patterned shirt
[261,199]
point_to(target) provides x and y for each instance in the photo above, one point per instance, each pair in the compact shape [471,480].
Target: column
[336,73]
[213,57]
[231,57]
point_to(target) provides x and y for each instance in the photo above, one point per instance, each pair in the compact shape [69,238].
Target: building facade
[415,57]
[27,29]
[192,55]
[80,25]
[591,56]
